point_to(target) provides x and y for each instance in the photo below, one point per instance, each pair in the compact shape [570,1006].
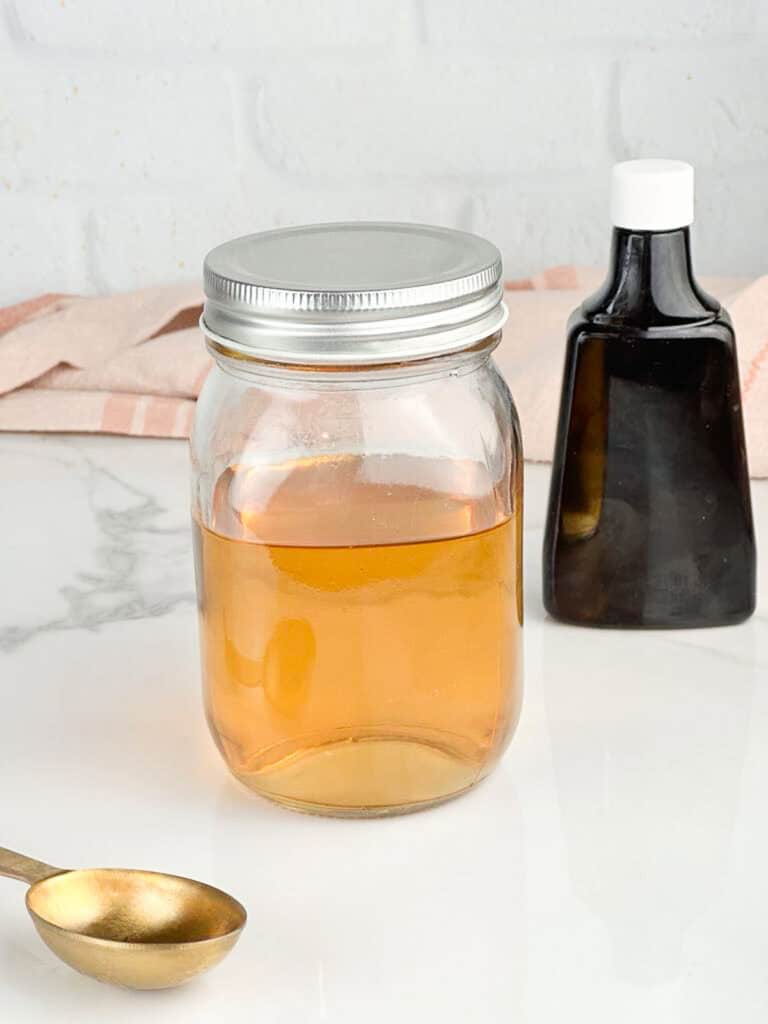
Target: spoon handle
[16,865]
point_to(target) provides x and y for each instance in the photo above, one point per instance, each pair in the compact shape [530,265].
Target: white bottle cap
[652,195]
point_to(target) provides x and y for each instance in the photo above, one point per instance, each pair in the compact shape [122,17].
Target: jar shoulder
[464,410]
[375,461]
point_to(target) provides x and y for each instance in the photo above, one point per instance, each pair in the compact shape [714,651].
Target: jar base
[366,777]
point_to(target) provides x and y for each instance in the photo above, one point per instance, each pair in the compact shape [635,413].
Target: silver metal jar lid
[352,293]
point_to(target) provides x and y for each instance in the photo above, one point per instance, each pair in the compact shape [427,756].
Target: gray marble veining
[136,551]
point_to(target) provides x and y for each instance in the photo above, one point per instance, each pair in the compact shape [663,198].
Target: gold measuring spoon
[140,929]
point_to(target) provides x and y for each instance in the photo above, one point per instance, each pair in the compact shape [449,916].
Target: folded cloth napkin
[134,363]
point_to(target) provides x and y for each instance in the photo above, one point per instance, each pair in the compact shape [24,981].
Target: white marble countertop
[613,869]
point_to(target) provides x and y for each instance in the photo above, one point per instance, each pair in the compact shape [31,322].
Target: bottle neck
[650,282]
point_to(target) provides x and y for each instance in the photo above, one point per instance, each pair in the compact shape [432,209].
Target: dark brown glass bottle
[650,520]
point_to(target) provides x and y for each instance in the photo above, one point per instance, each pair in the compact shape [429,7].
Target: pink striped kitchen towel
[131,363]
[134,363]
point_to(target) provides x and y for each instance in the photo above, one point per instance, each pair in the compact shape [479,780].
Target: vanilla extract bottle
[650,520]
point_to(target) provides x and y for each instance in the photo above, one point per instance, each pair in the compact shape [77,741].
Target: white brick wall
[169,27]
[110,130]
[617,22]
[425,119]
[134,136]
[715,106]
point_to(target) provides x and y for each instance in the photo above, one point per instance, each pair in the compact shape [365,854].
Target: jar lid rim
[352,292]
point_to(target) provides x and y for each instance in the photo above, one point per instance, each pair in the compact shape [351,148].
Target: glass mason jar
[357,502]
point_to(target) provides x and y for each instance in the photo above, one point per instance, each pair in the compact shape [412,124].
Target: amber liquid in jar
[361,639]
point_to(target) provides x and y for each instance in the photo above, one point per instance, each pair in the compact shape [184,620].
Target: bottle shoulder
[584,322]
[651,286]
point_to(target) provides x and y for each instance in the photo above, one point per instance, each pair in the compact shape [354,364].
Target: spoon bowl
[139,929]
